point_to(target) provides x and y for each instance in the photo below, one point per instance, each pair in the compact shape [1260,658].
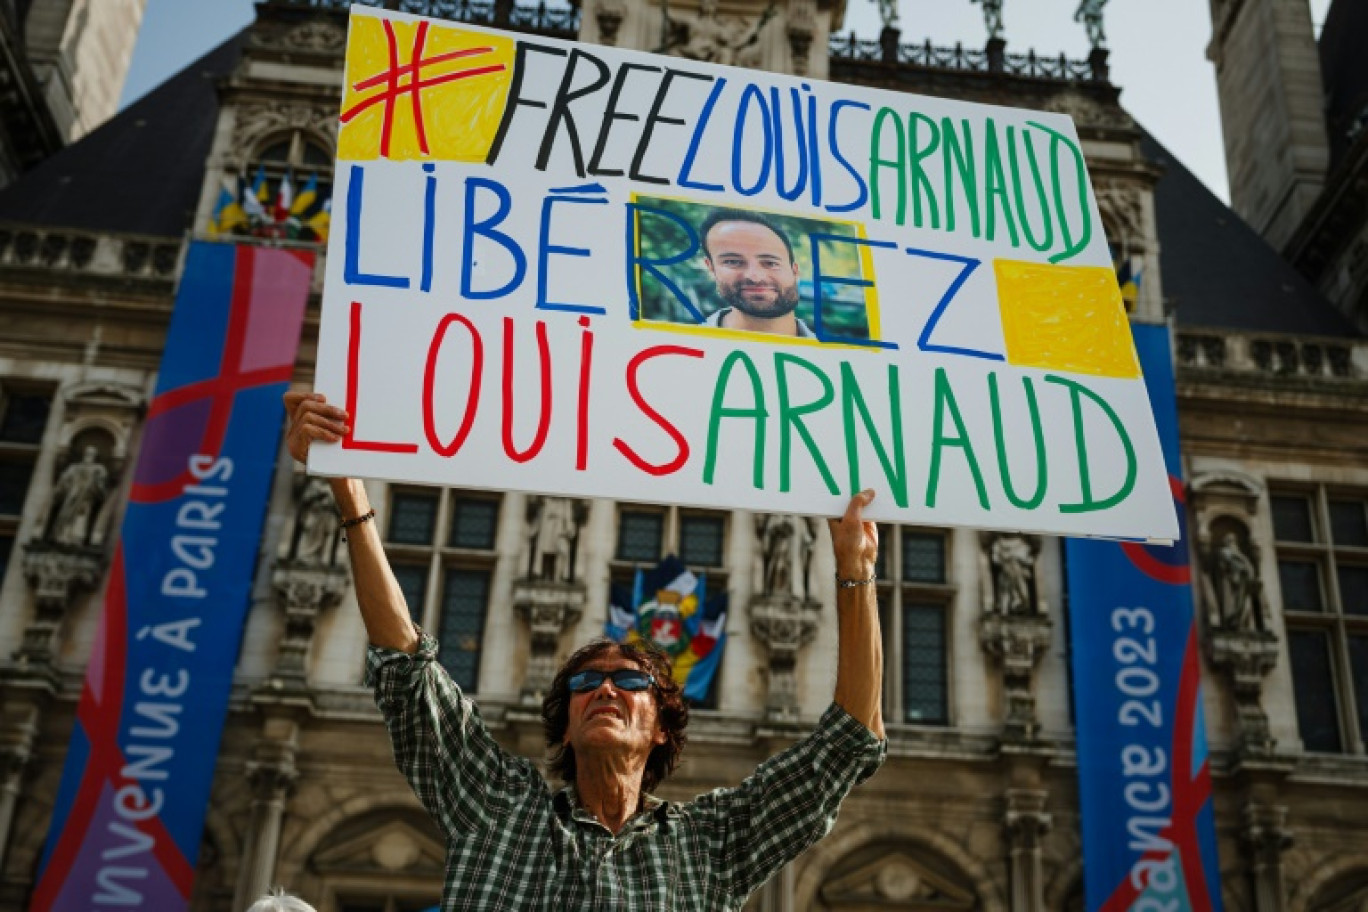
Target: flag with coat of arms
[668,605]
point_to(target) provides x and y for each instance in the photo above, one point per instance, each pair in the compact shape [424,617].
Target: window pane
[413,583]
[1349,523]
[25,417]
[700,540]
[881,562]
[923,557]
[639,536]
[924,663]
[1301,585]
[14,482]
[1358,666]
[473,523]
[463,615]
[412,518]
[1292,519]
[6,549]
[1313,681]
[1353,588]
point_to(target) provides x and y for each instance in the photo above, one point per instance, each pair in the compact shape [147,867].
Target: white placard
[578,270]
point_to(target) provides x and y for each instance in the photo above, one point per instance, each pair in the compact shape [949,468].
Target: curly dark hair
[671,709]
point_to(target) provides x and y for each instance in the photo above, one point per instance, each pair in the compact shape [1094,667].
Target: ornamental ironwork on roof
[550,21]
[990,60]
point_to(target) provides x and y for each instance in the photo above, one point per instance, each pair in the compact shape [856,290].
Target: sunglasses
[628,679]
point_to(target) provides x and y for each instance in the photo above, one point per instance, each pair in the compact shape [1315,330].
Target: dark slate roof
[1344,72]
[1219,273]
[139,173]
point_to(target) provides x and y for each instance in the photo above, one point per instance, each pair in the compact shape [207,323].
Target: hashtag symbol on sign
[406,79]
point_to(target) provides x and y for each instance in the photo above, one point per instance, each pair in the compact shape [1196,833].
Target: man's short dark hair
[717,216]
[671,710]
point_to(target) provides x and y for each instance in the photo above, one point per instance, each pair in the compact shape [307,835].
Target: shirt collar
[567,805]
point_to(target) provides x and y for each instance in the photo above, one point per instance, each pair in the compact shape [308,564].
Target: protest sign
[579,270]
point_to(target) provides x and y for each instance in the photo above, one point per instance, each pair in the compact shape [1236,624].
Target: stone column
[271,782]
[13,760]
[1026,824]
[1264,837]
[777,895]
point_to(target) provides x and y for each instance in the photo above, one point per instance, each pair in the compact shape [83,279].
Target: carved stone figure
[1013,560]
[1090,14]
[76,500]
[713,38]
[553,527]
[888,12]
[992,17]
[775,532]
[316,530]
[1237,586]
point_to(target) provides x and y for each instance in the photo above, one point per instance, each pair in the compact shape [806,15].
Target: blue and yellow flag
[668,605]
[228,214]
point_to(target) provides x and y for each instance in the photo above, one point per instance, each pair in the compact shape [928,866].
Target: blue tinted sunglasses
[629,679]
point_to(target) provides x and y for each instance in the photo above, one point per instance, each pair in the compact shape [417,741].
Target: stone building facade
[976,808]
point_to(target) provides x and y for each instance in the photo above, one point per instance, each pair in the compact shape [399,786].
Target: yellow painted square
[1065,318]
[454,112]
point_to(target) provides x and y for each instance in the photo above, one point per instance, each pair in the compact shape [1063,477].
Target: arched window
[285,193]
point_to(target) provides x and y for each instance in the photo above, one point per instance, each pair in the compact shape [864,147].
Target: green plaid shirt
[513,843]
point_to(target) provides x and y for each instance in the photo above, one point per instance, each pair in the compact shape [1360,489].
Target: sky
[1158,54]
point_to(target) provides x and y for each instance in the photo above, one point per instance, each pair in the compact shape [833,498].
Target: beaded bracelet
[852,583]
[348,523]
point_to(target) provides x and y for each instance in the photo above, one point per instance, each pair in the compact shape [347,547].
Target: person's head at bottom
[280,901]
[614,709]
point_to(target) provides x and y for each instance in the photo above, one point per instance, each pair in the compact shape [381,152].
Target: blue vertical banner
[130,809]
[1149,837]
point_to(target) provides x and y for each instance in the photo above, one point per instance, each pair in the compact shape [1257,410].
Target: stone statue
[1237,585]
[553,525]
[775,532]
[888,13]
[713,38]
[992,17]
[76,500]
[1013,560]
[1090,14]
[316,529]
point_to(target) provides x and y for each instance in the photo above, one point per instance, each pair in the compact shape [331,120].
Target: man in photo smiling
[751,260]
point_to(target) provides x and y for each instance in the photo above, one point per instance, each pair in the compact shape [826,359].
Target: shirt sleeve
[455,767]
[791,800]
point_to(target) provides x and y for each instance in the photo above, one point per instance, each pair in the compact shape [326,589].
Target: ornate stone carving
[894,879]
[1087,112]
[713,38]
[1123,210]
[303,591]
[802,25]
[787,547]
[609,15]
[785,623]
[58,574]
[1239,632]
[549,607]
[256,122]
[1014,627]
[314,36]
[553,526]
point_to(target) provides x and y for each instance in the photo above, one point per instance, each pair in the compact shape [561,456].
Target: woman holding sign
[615,721]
